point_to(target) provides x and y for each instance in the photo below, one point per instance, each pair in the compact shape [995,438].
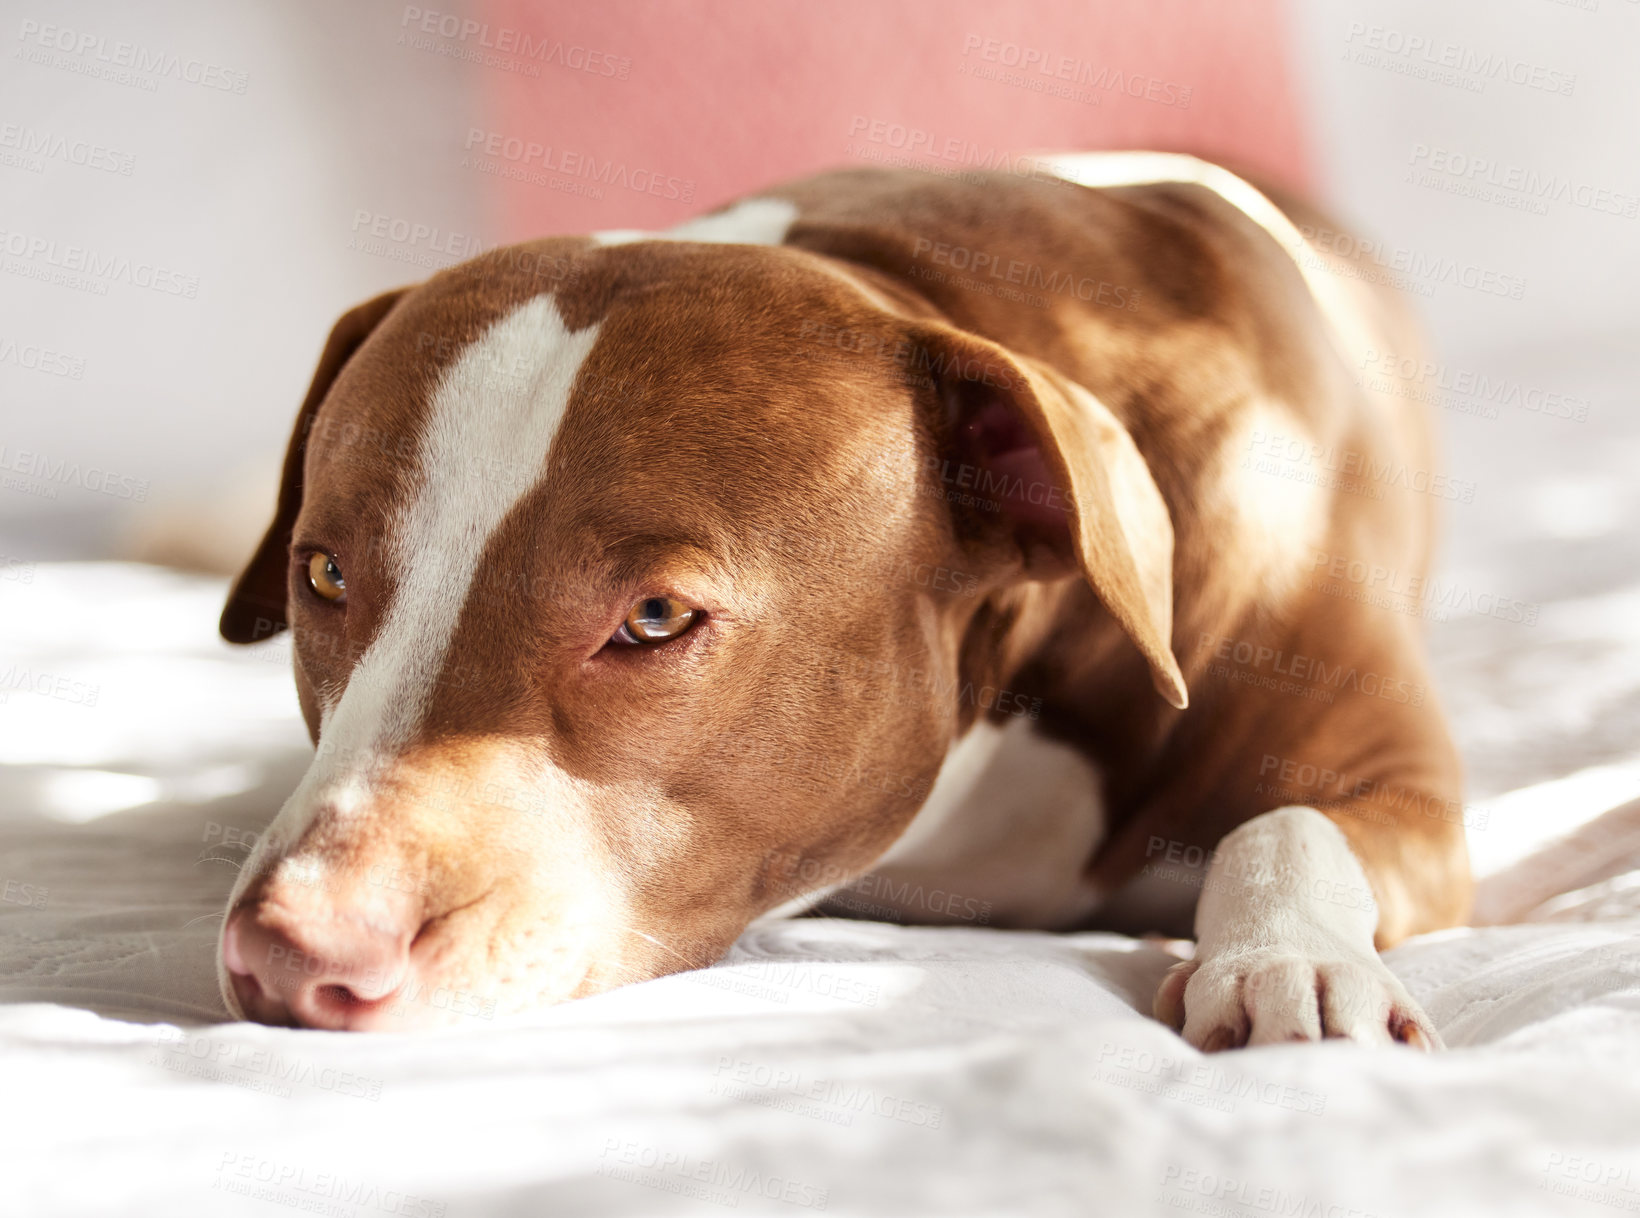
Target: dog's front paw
[1267,995]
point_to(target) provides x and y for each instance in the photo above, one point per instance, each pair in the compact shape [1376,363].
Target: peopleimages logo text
[528,154]
[504,40]
[141,60]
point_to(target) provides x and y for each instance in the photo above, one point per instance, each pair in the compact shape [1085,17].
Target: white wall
[1553,528]
[250,194]
[1555,498]
[1375,124]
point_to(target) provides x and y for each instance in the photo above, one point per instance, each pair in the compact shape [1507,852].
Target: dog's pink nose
[319,965]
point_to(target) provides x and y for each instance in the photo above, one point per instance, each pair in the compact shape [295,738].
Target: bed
[844,1067]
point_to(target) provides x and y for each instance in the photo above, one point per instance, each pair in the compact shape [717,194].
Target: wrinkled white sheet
[826,1066]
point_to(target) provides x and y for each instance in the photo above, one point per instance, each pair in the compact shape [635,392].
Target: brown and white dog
[881,525]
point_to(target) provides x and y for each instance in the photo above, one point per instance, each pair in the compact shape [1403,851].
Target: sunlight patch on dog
[1278,506]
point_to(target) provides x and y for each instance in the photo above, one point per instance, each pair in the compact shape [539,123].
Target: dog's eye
[325,577]
[655,619]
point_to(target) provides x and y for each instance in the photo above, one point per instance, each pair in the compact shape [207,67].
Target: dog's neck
[1016,644]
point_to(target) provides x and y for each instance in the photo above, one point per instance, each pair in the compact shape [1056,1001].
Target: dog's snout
[320,961]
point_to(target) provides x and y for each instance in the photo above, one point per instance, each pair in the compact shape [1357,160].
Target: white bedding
[836,1066]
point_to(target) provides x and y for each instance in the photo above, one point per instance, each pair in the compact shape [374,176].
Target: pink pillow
[636,114]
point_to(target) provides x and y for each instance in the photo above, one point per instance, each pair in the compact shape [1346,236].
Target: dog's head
[630,587]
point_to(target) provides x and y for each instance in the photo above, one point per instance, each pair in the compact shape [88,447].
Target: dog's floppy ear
[1044,459]
[256,605]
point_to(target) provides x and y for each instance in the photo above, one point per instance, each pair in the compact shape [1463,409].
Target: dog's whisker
[202,918]
[663,946]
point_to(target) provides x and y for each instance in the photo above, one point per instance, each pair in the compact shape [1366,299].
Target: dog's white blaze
[748,222]
[483,448]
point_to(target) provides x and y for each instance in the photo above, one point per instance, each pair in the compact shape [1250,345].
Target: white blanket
[824,1065]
